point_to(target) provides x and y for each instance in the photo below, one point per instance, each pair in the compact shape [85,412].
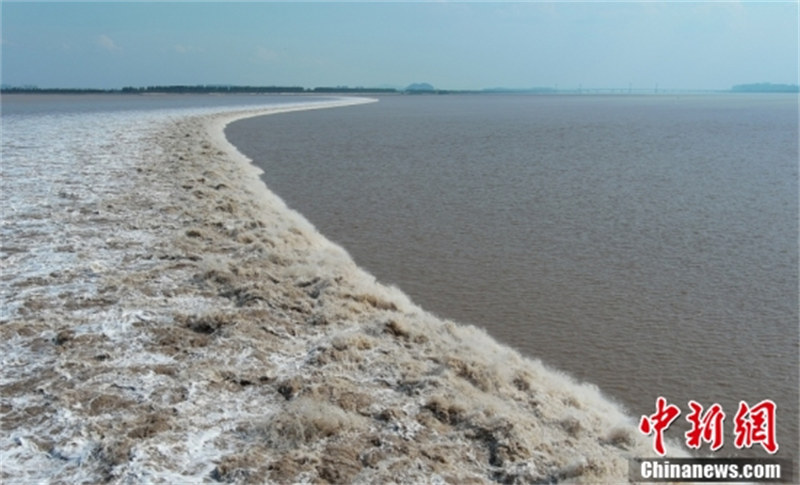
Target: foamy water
[57,170]
[167,319]
[653,236]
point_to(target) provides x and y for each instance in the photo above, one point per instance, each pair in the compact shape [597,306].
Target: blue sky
[452,45]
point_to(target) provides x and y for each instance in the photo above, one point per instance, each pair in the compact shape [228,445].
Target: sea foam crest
[167,318]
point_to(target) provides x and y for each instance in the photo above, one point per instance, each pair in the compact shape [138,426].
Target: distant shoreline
[754,88]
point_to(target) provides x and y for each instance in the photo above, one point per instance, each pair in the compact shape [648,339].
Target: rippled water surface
[645,244]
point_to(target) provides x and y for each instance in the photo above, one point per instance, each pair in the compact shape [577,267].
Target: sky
[451,45]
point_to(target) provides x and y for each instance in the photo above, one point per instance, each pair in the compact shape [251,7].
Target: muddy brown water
[644,244]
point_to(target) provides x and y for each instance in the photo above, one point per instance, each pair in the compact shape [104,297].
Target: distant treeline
[199,89]
[766,88]
[214,89]
[35,90]
[420,88]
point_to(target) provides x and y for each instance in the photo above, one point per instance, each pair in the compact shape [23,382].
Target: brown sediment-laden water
[166,318]
[646,244]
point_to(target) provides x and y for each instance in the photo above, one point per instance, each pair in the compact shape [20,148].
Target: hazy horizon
[458,46]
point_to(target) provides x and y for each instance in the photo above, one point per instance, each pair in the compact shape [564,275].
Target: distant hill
[419,87]
[766,88]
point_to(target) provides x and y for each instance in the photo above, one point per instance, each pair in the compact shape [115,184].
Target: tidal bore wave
[168,319]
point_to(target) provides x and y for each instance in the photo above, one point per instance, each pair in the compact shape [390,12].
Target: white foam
[148,328]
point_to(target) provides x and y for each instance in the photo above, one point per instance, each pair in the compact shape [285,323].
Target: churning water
[646,244]
[166,319]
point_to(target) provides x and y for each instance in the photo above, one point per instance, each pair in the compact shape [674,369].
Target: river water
[646,244]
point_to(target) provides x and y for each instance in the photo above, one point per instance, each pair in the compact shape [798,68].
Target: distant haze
[449,45]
